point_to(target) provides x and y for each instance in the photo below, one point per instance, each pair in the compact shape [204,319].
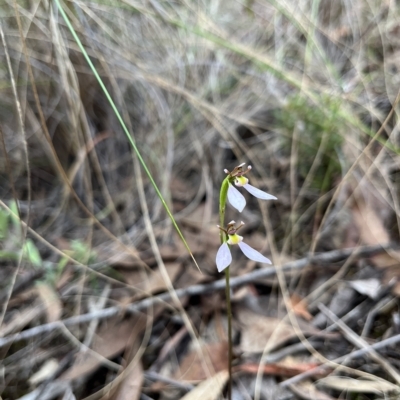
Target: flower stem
[223,237]
[229,312]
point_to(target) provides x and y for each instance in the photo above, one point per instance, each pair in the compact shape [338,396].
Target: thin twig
[56,388]
[383,303]
[360,342]
[347,357]
[316,260]
[95,307]
[154,376]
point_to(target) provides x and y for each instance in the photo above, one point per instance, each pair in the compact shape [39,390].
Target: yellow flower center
[241,181]
[235,239]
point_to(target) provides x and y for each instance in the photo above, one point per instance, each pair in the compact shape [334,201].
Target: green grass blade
[124,127]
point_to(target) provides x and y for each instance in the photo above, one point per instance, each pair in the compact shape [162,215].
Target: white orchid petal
[259,193]
[236,198]
[254,255]
[224,257]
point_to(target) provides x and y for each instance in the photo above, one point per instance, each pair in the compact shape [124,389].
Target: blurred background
[306,92]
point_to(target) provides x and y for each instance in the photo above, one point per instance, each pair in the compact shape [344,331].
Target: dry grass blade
[125,129]
[22,318]
[210,389]
[347,384]
[307,390]
[306,92]
[360,342]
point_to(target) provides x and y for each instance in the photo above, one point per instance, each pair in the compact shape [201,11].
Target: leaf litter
[213,104]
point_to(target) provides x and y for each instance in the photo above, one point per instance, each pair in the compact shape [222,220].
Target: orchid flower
[236,199]
[224,256]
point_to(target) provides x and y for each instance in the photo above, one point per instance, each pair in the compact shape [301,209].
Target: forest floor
[100,297]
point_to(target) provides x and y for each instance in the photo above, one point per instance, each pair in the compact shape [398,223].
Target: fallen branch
[254,276]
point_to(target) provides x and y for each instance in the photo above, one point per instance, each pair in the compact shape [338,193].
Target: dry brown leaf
[65,277]
[28,295]
[344,383]
[214,359]
[21,319]
[131,386]
[168,252]
[212,303]
[372,231]
[307,391]
[46,371]
[127,385]
[197,245]
[391,275]
[260,333]
[210,389]
[339,33]
[51,301]
[153,282]
[387,260]
[111,339]
[189,276]
[371,227]
[131,379]
[196,219]
[157,283]
[277,369]
[299,307]
[242,292]
[169,346]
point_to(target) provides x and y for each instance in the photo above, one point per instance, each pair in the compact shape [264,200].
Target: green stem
[229,312]
[222,203]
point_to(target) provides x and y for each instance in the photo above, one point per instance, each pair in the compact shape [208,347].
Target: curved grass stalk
[124,127]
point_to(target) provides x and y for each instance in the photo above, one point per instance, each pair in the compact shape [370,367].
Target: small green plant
[4,219]
[319,130]
[79,251]
[229,236]
[31,253]
[10,236]
[11,249]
